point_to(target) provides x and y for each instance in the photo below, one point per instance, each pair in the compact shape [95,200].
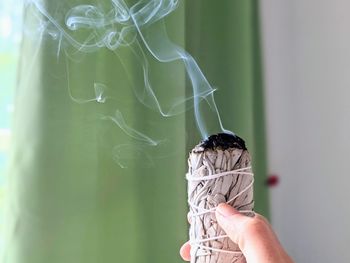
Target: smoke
[120,121]
[140,28]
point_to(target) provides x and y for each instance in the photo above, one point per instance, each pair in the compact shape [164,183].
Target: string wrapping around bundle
[219,172]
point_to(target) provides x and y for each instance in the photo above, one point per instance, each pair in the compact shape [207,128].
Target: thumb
[253,235]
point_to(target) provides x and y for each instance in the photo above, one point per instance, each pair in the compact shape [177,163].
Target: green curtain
[83,184]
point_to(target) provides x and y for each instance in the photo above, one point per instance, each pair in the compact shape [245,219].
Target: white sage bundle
[219,172]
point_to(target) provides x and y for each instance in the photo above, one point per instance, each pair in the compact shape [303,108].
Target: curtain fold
[95,175]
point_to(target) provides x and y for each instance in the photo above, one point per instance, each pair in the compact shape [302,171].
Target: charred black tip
[223,141]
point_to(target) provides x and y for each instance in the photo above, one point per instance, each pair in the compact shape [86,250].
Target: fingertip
[185,251]
[225,210]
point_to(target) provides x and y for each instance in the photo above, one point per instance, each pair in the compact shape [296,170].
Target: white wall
[306,47]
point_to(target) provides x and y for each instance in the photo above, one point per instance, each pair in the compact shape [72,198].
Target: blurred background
[306,70]
[10,36]
[76,187]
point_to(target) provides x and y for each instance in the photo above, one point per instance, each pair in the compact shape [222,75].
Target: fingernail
[226,210]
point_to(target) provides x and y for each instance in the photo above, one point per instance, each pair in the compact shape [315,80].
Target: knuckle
[256,226]
[264,219]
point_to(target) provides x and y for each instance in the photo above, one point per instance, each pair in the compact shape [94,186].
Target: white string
[238,253]
[218,175]
[203,211]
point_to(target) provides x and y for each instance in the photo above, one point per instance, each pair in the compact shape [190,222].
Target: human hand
[253,235]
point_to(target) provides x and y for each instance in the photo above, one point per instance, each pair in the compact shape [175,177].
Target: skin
[254,236]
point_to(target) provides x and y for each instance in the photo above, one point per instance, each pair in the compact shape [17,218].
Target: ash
[221,141]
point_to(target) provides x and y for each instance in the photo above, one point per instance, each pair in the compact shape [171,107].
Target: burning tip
[223,141]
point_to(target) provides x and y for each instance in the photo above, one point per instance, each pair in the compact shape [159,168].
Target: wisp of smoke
[138,27]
